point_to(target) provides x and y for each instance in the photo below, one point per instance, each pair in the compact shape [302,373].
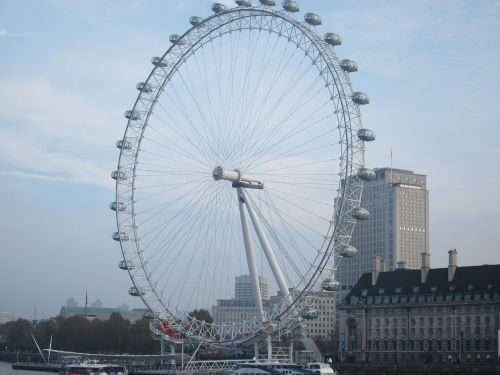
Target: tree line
[76,333]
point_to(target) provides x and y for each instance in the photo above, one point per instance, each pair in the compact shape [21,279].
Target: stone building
[323,326]
[102,313]
[417,316]
[242,306]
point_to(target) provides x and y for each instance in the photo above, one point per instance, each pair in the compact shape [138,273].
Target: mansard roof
[484,278]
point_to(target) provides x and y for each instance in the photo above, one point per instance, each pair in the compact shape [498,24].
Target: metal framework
[351,159]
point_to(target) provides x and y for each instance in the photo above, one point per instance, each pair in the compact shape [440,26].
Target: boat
[93,368]
[270,368]
[319,368]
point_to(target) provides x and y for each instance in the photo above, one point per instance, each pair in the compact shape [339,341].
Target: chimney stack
[376,269]
[382,265]
[426,265]
[401,265]
[452,264]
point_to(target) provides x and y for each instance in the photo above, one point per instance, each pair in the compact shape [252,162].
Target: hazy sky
[68,71]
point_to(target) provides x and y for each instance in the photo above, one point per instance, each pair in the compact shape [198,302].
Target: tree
[19,335]
[73,334]
[117,330]
[202,315]
[44,330]
[97,336]
[141,340]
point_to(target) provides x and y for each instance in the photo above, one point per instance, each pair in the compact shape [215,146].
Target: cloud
[34,176]
[48,111]
[6,34]
[26,159]
[53,134]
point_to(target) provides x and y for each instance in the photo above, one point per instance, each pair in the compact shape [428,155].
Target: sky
[68,72]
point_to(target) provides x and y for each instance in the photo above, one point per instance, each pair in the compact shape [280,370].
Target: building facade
[422,316]
[102,313]
[397,229]
[242,308]
[323,326]
[243,287]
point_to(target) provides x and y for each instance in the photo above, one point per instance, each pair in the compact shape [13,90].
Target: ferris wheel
[243,155]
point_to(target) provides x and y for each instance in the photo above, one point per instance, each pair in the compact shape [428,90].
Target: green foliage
[19,334]
[202,315]
[142,343]
[116,335]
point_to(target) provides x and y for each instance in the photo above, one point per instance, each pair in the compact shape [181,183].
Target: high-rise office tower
[244,287]
[397,229]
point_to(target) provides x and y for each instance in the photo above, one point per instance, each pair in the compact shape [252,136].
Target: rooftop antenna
[86,303]
[391,167]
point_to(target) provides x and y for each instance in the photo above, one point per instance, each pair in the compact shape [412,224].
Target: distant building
[102,313]
[244,287]
[242,308]
[6,317]
[229,311]
[321,327]
[428,315]
[397,229]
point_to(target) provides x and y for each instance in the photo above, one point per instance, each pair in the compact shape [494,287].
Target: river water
[6,369]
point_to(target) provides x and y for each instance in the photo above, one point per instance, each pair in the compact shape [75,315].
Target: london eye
[242,154]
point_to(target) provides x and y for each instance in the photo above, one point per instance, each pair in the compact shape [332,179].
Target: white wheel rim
[302,156]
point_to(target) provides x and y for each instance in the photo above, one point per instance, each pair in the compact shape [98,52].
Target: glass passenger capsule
[360,98]
[174,38]
[269,3]
[195,20]
[118,175]
[133,291]
[366,135]
[244,3]
[132,115]
[122,264]
[309,313]
[123,145]
[348,66]
[158,61]
[366,174]
[347,251]
[218,7]
[312,19]
[144,87]
[117,206]
[360,213]
[291,6]
[330,285]
[120,237]
[333,39]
